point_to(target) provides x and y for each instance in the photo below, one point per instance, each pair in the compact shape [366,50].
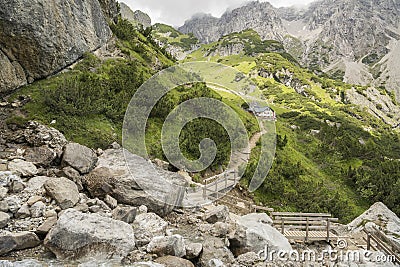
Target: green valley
[332,155]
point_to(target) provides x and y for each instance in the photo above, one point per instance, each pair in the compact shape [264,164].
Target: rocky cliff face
[261,17]
[352,37]
[137,16]
[39,38]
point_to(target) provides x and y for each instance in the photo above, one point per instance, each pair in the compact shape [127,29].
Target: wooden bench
[305,226]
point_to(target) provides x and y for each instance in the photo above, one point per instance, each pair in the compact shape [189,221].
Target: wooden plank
[305,222]
[305,218]
[303,227]
[312,235]
[292,214]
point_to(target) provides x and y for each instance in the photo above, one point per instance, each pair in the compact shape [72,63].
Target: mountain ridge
[352,40]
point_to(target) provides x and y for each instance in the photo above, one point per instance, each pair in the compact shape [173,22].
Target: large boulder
[17,241]
[22,167]
[82,236]
[173,245]
[381,216]
[41,156]
[254,233]
[37,135]
[148,225]
[216,214]
[81,158]
[216,253]
[64,191]
[112,177]
[40,38]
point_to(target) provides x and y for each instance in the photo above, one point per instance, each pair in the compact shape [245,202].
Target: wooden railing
[216,185]
[378,241]
[306,226]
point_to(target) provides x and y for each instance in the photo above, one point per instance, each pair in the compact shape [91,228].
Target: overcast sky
[175,12]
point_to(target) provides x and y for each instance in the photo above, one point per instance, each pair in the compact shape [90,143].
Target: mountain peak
[259,16]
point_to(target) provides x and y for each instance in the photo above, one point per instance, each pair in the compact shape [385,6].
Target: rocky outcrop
[82,236]
[42,37]
[138,17]
[376,103]
[259,16]
[112,177]
[380,215]
[355,37]
[111,9]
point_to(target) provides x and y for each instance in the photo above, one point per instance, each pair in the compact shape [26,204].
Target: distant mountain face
[261,17]
[355,40]
[137,17]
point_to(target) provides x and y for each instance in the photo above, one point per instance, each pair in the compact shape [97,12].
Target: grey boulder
[216,214]
[167,245]
[17,241]
[215,251]
[254,233]
[64,191]
[112,177]
[79,236]
[22,167]
[148,225]
[79,157]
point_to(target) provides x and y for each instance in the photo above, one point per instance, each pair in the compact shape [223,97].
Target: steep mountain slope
[351,37]
[174,42]
[356,41]
[30,51]
[332,139]
[262,17]
[137,17]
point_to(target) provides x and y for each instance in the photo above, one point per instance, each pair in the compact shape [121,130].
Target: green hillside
[168,35]
[332,156]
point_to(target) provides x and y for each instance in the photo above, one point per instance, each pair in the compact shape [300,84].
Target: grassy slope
[311,172]
[168,35]
[322,182]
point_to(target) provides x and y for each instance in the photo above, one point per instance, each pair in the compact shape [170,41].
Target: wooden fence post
[307,228]
[328,225]
[368,241]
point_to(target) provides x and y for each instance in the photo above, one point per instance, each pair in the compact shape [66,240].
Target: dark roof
[258,109]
